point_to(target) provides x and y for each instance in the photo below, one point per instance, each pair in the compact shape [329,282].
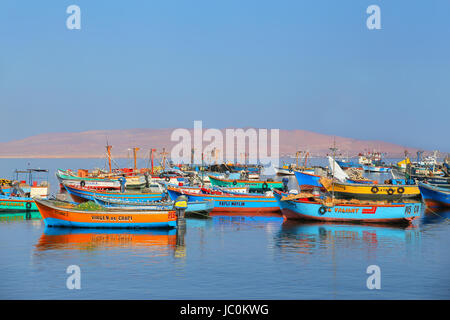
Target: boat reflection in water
[309,237]
[242,218]
[157,240]
[6,216]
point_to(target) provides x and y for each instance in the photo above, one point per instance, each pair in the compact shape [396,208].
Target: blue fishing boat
[376,168]
[79,194]
[227,201]
[314,209]
[194,208]
[435,196]
[347,165]
[307,181]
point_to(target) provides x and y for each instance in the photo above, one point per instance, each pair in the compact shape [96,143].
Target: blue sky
[287,64]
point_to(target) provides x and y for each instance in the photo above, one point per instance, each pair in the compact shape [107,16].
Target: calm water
[226,257]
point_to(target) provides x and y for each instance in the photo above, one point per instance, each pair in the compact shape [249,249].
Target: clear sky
[287,64]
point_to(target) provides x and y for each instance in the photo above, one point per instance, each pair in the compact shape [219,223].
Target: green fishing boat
[17,204]
[251,184]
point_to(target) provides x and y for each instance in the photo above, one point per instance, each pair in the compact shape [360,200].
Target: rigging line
[435,213]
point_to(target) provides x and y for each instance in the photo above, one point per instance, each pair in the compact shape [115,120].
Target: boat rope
[200,214]
[437,214]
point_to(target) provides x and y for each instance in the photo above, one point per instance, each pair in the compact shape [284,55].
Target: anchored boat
[252,184]
[194,208]
[68,178]
[310,208]
[17,204]
[63,214]
[227,201]
[79,194]
[435,196]
[364,191]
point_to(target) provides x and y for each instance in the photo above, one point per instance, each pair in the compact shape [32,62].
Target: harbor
[227,248]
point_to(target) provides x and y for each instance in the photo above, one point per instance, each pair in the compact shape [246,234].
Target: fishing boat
[252,184]
[18,195]
[17,204]
[349,165]
[194,208]
[243,167]
[226,201]
[63,214]
[376,168]
[305,207]
[435,196]
[308,181]
[80,194]
[198,189]
[29,182]
[286,170]
[70,179]
[365,191]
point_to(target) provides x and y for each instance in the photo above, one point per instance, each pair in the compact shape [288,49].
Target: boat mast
[151,154]
[297,155]
[202,171]
[334,161]
[306,159]
[108,151]
[164,153]
[135,150]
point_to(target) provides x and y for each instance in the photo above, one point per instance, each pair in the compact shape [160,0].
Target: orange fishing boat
[62,214]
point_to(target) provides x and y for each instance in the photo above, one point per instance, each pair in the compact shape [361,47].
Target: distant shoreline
[387,156]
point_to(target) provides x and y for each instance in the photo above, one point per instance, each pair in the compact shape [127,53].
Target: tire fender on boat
[322,210]
[28,205]
[374,189]
[401,190]
[390,191]
[234,182]
[82,183]
[265,186]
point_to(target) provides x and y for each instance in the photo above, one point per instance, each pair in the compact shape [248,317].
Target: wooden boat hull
[245,183]
[17,204]
[310,210]
[434,196]
[373,191]
[232,203]
[68,217]
[83,195]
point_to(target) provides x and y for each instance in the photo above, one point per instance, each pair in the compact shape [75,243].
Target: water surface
[225,257]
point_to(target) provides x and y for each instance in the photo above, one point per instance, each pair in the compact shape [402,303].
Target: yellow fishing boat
[371,191]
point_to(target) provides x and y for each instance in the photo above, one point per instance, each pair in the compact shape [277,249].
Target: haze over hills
[91,144]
